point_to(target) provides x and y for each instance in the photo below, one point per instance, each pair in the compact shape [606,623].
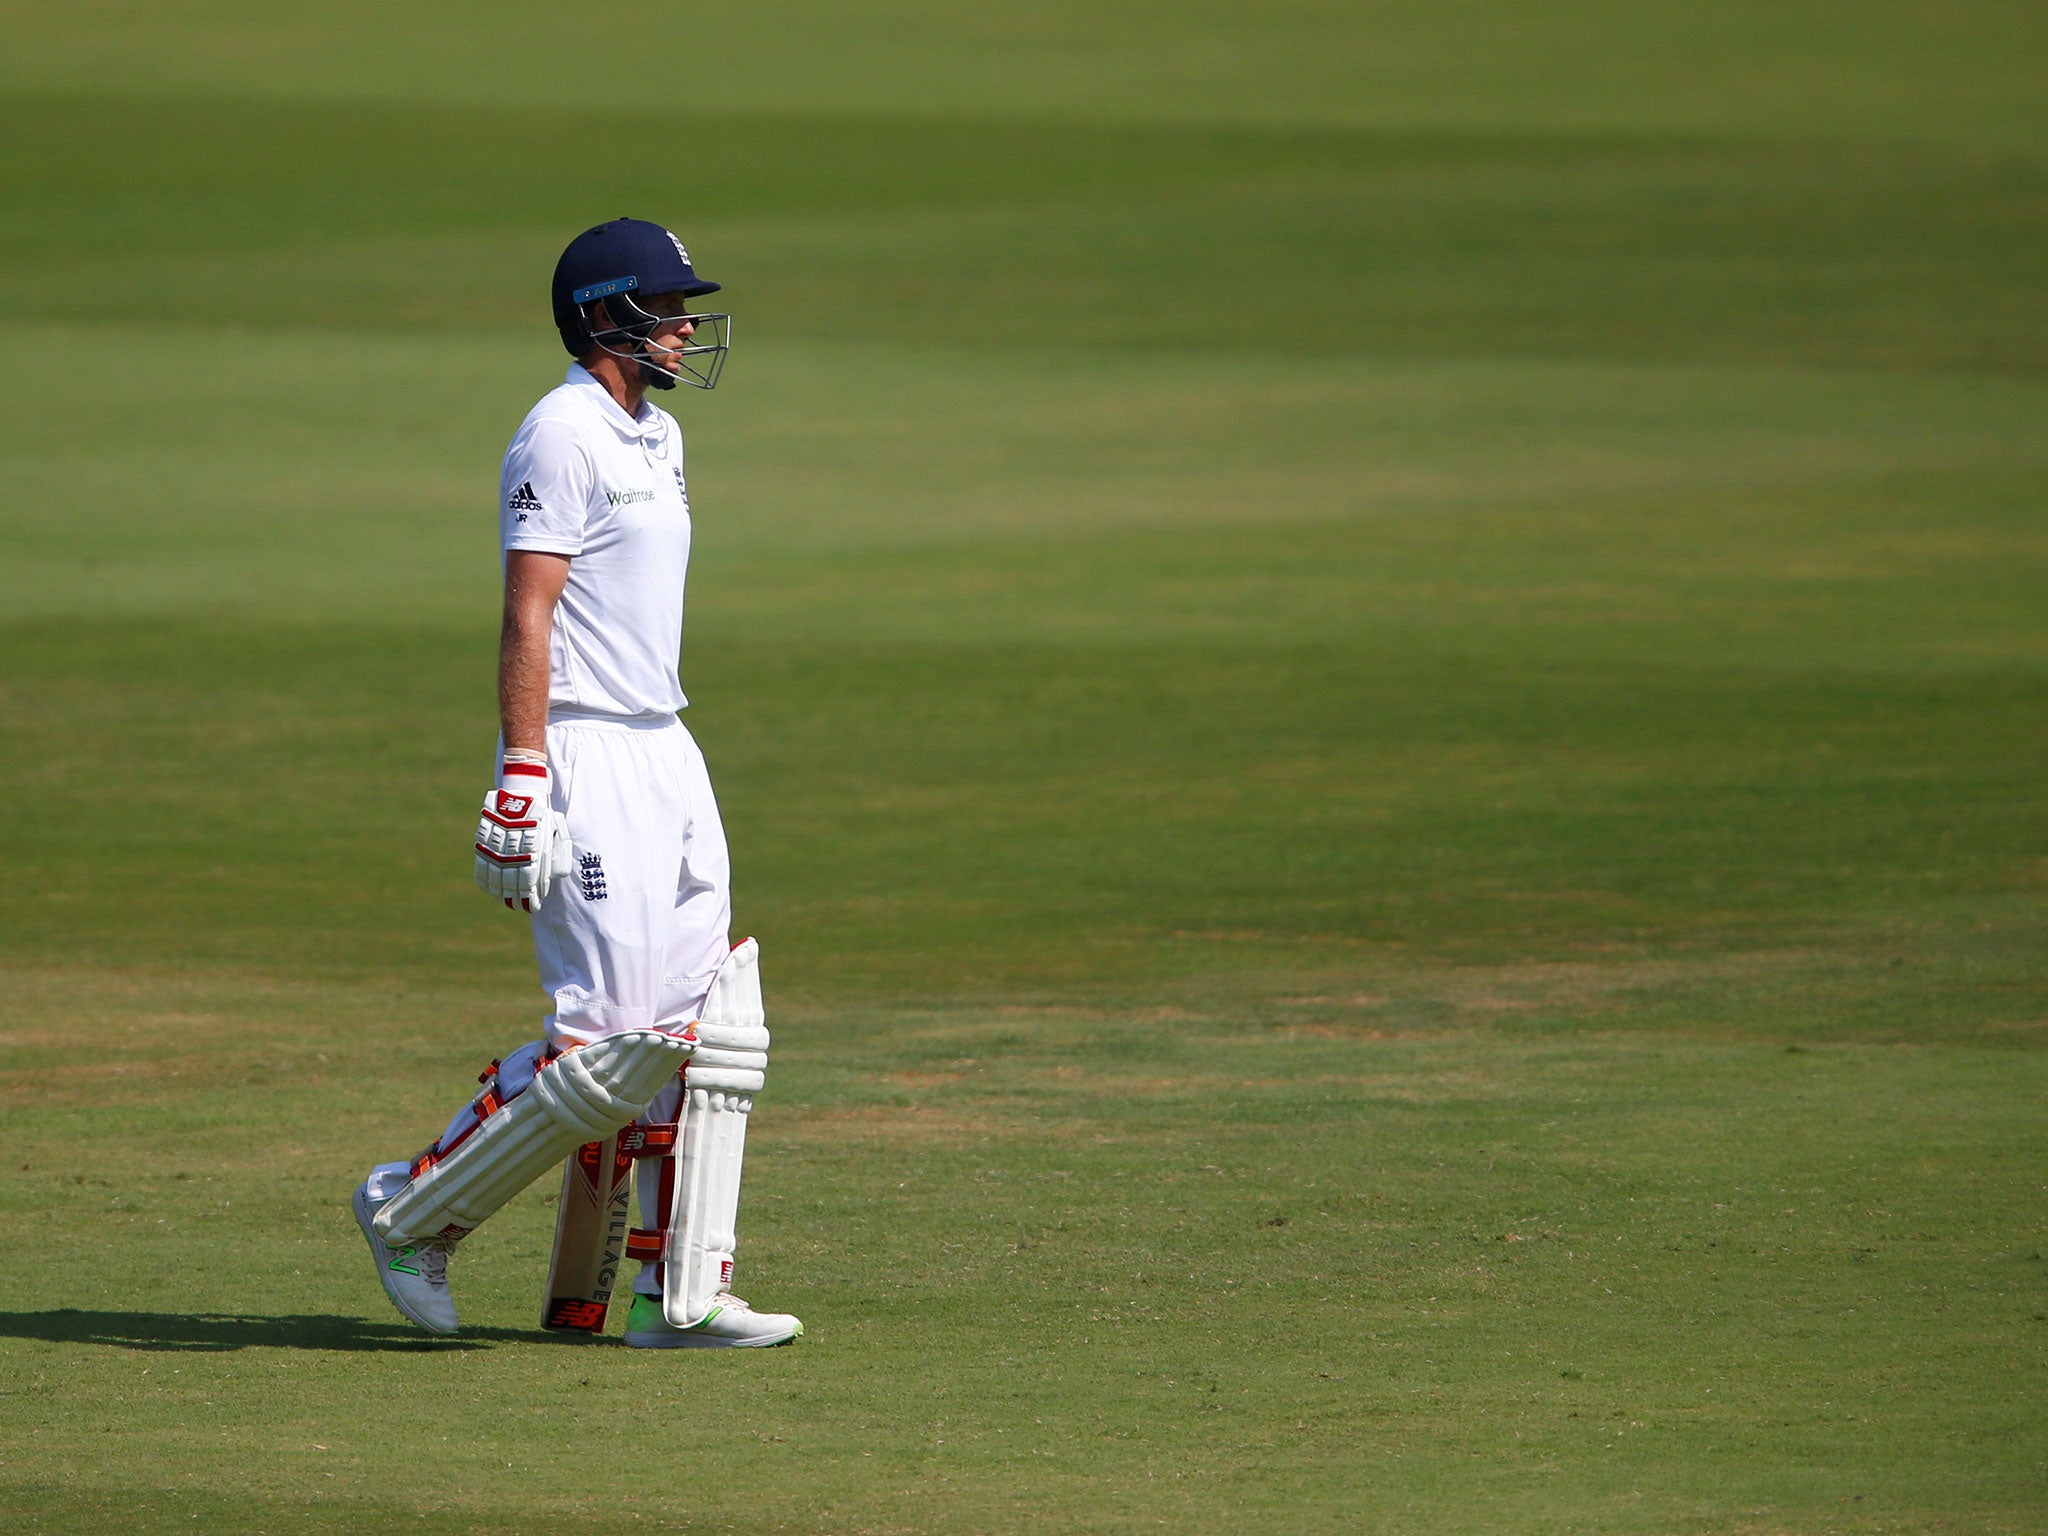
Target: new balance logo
[523,500]
[569,1312]
[590,876]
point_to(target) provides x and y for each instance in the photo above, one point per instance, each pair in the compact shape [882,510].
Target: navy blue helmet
[617,283]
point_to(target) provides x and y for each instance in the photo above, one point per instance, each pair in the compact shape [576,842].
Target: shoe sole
[672,1341]
[380,1255]
[676,1339]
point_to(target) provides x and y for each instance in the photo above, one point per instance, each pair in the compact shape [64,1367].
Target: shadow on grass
[212,1332]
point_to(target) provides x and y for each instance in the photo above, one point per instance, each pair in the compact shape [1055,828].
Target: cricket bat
[590,1237]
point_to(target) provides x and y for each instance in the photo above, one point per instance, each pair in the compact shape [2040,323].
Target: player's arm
[522,843]
[533,586]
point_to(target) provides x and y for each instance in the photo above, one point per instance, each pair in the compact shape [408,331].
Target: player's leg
[696,928]
[536,1107]
[415,1274]
[600,948]
[699,1186]
[690,1198]
[599,937]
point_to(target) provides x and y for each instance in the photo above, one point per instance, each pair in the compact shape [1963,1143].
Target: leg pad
[583,1095]
[729,1066]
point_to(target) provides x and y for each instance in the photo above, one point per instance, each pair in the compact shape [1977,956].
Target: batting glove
[522,841]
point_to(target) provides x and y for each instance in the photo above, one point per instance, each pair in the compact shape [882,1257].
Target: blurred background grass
[1324,590]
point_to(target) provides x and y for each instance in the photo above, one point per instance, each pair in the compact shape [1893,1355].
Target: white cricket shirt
[584,479]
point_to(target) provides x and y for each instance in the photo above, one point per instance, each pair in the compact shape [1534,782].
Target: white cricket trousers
[633,937]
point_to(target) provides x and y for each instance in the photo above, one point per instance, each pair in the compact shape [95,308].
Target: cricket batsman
[602,825]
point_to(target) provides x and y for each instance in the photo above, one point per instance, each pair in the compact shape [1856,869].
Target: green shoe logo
[398,1264]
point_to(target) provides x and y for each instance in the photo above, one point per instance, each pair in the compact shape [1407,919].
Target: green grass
[1377,674]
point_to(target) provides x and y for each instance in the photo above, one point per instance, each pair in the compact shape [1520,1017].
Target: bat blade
[590,1237]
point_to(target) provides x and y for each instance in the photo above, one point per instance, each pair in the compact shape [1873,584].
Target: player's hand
[522,841]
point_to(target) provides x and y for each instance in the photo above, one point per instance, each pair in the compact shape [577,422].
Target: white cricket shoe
[732,1325]
[415,1275]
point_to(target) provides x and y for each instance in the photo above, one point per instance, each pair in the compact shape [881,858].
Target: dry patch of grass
[1407,1002]
[923,1124]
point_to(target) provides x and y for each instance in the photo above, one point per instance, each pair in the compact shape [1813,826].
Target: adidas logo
[523,500]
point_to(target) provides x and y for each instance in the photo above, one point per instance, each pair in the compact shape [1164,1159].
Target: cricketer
[602,825]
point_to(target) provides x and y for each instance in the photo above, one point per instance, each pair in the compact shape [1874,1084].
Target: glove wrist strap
[524,773]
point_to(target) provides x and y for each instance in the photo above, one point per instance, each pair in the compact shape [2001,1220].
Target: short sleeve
[544,495]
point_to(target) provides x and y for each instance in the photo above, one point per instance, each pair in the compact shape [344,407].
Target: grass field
[1377,672]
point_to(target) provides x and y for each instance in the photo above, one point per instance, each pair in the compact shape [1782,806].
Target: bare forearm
[523,684]
[533,586]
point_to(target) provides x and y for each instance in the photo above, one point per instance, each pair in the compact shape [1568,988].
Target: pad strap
[486,1104]
[647,1140]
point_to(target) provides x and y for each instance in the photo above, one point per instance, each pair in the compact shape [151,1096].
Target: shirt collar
[651,426]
